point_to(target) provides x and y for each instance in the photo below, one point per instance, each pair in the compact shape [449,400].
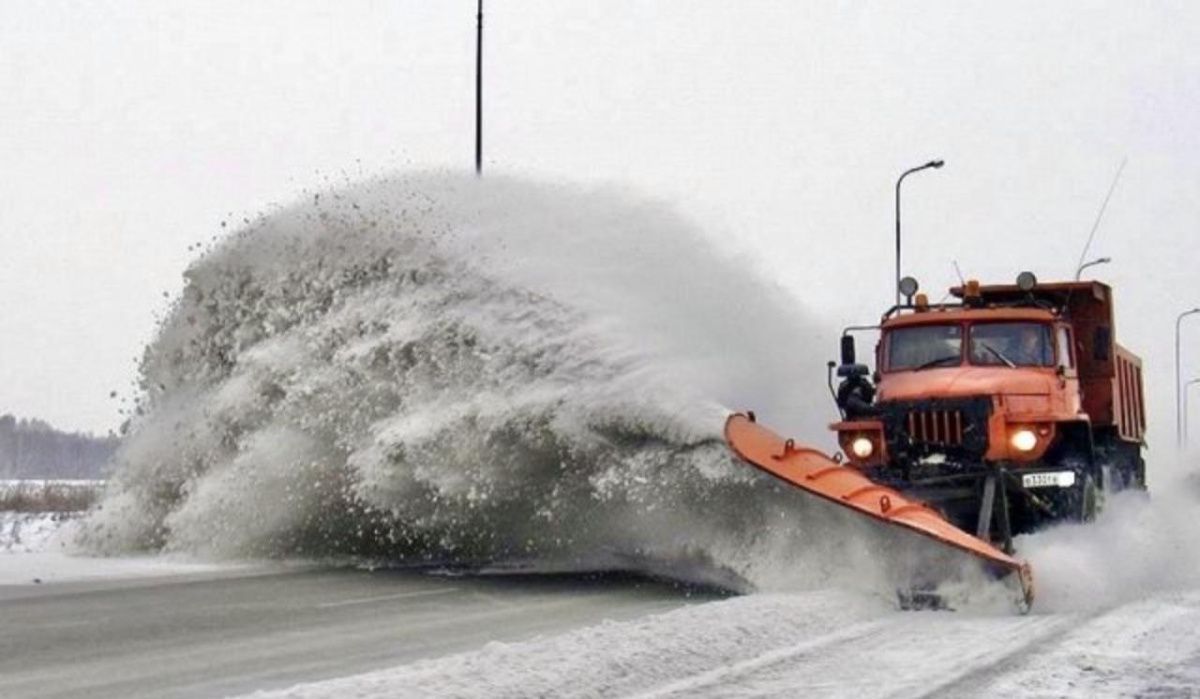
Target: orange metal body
[1106,377]
[819,474]
[1095,381]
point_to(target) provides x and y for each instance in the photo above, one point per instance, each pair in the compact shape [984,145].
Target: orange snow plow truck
[1005,411]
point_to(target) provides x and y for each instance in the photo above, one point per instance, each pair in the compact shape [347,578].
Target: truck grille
[949,425]
[940,427]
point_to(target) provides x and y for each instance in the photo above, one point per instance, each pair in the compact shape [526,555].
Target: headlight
[1023,440]
[862,447]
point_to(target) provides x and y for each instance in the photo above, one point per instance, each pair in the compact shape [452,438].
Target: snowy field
[36,549]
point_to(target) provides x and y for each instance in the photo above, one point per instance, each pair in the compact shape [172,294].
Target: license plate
[1057,479]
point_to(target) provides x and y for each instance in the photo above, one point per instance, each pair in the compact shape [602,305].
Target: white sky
[130,130]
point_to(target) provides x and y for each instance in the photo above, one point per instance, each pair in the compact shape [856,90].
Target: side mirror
[848,354]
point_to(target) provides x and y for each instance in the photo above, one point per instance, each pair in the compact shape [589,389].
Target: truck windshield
[1011,344]
[924,346]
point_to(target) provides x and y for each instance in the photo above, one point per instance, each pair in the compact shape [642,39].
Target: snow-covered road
[823,644]
[1117,615]
[157,627]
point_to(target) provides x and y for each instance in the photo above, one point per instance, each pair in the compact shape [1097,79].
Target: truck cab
[1006,410]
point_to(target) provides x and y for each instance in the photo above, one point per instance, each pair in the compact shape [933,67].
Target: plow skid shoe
[814,472]
[920,600]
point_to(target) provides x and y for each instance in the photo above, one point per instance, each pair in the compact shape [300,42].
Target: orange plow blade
[820,475]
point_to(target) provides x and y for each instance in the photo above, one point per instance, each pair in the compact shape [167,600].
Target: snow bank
[23,532]
[36,549]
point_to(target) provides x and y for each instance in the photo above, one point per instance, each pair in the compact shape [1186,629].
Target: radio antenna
[958,272]
[1100,215]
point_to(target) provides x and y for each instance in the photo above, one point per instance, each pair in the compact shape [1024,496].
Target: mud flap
[818,474]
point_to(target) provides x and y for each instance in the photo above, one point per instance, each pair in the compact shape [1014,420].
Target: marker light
[1023,440]
[862,447]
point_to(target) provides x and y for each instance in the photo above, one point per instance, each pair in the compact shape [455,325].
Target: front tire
[1087,499]
[1079,503]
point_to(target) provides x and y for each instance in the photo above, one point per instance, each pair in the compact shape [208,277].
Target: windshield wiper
[999,355]
[936,362]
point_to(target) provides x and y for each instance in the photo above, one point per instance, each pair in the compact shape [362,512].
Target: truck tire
[1088,499]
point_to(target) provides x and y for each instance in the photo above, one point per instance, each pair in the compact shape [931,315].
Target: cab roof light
[971,293]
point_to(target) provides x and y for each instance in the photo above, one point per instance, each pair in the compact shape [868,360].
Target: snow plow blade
[816,473]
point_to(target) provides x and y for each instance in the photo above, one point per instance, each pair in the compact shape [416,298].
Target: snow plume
[440,368]
[1142,543]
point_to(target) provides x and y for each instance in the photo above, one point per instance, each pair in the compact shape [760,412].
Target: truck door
[1067,372]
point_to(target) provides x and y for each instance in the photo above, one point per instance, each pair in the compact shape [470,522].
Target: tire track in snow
[904,655]
[824,644]
[1143,648]
[722,675]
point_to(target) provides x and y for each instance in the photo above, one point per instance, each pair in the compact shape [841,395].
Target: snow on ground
[820,644]
[34,549]
[11,483]
[1149,648]
[618,658]
[23,532]
[1117,614]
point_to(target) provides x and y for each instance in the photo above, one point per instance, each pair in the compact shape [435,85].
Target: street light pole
[1093,263]
[906,173]
[1178,399]
[1185,409]
[479,90]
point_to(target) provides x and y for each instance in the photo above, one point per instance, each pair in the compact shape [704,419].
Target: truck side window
[1101,344]
[1065,358]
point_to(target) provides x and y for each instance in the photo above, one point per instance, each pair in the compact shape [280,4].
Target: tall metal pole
[1186,386]
[906,173]
[479,90]
[1178,391]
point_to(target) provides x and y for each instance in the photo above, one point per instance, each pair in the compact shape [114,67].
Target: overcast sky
[130,130]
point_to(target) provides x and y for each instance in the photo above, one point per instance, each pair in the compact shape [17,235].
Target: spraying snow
[1141,544]
[441,368]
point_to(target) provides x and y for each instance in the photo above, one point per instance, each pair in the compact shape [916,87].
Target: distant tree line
[34,449]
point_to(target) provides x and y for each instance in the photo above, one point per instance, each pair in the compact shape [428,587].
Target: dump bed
[1129,404]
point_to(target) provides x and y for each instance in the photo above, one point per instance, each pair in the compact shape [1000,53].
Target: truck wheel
[1088,499]
[1081,501]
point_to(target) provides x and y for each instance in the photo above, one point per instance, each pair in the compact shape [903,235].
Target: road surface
[227,633]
